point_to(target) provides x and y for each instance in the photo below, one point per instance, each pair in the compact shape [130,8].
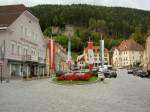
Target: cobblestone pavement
[126,93]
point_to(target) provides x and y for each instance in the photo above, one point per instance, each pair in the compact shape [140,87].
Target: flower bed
[75,77]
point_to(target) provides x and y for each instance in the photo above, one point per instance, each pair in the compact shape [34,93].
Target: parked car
[141,73]
[110,74]
[130,71]
[135,71]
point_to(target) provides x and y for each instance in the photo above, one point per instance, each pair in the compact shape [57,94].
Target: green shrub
[94,73]
[59,73]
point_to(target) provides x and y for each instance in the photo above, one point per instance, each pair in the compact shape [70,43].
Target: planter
[75,77]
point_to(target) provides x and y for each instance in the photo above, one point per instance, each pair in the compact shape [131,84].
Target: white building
[128,53]
[84,59]
[22,42]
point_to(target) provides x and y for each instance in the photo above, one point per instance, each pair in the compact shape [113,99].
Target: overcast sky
[139,4]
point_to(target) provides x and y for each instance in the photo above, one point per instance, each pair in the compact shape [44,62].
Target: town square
[74,57]
[126,93]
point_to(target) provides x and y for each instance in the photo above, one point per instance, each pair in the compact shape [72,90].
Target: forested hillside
[114,22]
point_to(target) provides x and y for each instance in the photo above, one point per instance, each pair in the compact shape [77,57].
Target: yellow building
[128,53]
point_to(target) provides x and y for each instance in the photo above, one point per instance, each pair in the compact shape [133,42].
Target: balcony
[29,58]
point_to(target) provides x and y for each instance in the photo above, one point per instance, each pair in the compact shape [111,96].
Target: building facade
[148,52]
[128,53]
[23,49]
[61,58]
[56,56]
[95,54]
[81,61]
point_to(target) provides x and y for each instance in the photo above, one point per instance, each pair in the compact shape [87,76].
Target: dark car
[141,73]
[135,71]
[110,72]
[130,71]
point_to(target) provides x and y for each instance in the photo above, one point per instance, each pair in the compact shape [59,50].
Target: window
[38,53]
[33,36]
[18,49]
[24,51]
[36,37]
[32,52]
[25,31]
[12,48]
[21,29]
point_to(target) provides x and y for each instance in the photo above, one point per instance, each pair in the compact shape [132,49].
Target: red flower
[74,76]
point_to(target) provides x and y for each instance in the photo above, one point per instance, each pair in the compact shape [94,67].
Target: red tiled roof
[9,13]
[96,48]
[130,44]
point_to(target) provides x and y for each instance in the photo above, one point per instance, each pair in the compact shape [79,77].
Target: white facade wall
[24,33]
[23,37]
[126,58]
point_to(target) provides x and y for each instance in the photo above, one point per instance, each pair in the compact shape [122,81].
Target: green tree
[138,36]
[76,44]
[101,25]
[92,24]
[48,32]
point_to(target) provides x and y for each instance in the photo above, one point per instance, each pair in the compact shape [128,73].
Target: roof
[113,48]
[9,13]
[130,44]
[97,48]
[80,57]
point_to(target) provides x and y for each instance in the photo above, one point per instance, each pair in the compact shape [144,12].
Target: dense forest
[115,23]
